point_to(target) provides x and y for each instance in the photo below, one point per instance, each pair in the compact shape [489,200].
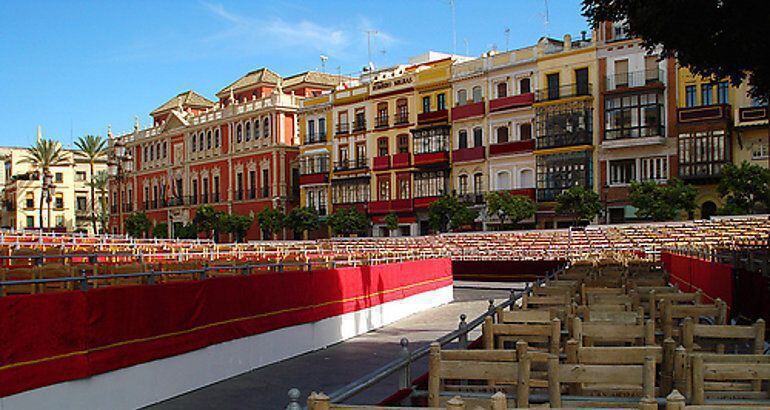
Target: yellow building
[750,129]
[70,205]
[565,111]
[315,131]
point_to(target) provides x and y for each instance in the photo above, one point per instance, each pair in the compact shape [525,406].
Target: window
[706,94]
[382,115]
[82,203]
[759,151]
[526,178]
[361,154]
[80,176]
[402,111]
[462,97]
[477,97]
[426,103]
[622,171]
[404,186]
[525,131]
[553,86]
[165,148]
[429,184]
[723,92]
[382,147]
[343,154]
[581,82]
[310,130]
[525,86]
[59,201]
[431,140]
[502,134]
[653,169]
[478,137]
[441,102]
[502,89]
[239,133]
[634,116]
[200,141]
[252,184]
[265,183]
[702,154]
[239,186]
[462,185]
[322,128]
[342,122]
[266,127]
[462,137]
[216,138]
[360,119]
[383,188]
[208,138]
[651,72]
[689,96]
[557,172]
[30,221]
[216,188]
[478,183]
[59,177]
[29,200]
[403,144]
[248,132]
[503,180]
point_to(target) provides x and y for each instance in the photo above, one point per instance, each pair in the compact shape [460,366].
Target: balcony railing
[401,118]
[578,137]
[703,113]
[350,164]
[468,154]
[433,116]
[395,205]
[511,147]
[564,91]
[401,160]
[381,121]
[634,133]
[315,138]
[381,162]
[634,79]
[343,128]
[468,110]
[359,125]
[431,158]
[510,102]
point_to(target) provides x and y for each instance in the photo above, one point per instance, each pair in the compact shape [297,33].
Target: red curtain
[691,274]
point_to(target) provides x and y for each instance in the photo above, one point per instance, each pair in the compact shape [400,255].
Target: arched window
[524,86]
[462,97]
[216,137]
[462,139]
[502,90]
[256,128]
[462,185]
[200,141]
[526,178]
[478,183]
[193,145]
[502,134]
[478,139]
[151,152]
[503,180]
[239,133]
[248,130]
[266,127]
[525,131]
[208,140]
[477,94]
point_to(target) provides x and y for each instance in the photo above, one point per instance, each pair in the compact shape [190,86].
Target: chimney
[567,42]
[583,35]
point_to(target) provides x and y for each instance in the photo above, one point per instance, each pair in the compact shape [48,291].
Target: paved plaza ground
[329,369]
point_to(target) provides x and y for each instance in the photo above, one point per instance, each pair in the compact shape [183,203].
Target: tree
[138,224]
[347,221]
[271,221]
[160,230]
[662,202]
[209,220]
[303,219]
[711,38]
[237,225]
[92,148]
[579,202]
[507,206]
[43,156]
[186,231]
[99,183]
[448,213]
[391,221]
[744,188]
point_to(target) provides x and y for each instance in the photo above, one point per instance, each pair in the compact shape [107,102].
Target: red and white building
[237,154]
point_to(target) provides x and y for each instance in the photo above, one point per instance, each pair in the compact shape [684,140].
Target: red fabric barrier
[690,274]
[50,338]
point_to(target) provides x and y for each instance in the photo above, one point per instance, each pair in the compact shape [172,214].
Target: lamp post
[120,164]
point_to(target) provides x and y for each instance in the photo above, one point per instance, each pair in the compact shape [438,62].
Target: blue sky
[73,66]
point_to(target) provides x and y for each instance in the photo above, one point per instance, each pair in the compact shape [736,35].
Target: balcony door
[553,86]
[581,81]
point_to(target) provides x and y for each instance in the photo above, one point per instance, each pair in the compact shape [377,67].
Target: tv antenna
[369,34]
[454,27]
[546,21]
[324,59]
[507,37]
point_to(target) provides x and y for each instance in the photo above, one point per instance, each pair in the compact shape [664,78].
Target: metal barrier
[403,363]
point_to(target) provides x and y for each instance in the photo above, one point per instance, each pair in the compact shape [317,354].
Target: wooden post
[577,329]
[675,401]
[688,336]
[554,388]
[434,378]
[522,384]
[571,349]
[455,403]
[722,318]
[698,297]
[318,401]
[680,369]
[698,388]
[648,403]
[487,334]
[759,336]
[649,333]
[667,320]
[555,336]
[649,377]
[667,367]
[653,307]
[499,401]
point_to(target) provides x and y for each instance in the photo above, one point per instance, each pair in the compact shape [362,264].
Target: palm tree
[43,156]
[99,183]
[92,148]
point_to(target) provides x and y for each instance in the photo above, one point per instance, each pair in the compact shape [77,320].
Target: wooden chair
[723,374]
[716,312]
[612,334]
[560,304]
[448,369]
[521,316]
[547,335]
[716,337]
[684,376]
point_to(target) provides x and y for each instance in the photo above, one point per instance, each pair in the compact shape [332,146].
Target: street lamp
[119,165]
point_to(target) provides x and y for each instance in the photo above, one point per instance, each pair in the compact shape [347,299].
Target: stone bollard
[294,400]
[463,327]
[405,376]
[491,308]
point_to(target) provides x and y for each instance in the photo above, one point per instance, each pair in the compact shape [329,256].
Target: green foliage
[582,203]
[509,207]
[236,224]
[209,220]
[138,224]
[734,30]
[271,220]
[92,148]
[448,213]
[391,221]
[745,189]
[347,221]
[42,156]
[662,202]
[188,231]
[160,230]
[303,219]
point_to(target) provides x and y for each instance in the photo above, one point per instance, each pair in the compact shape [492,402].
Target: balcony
[359,125]
[472,199]
[424,202]
[314,138]
[361,207]
[381,163]
[310,179]
[468,154]
[701,173]
[401,205]
[343,128]
[431,158]
[634,137]
[511,147]
[564,91]
[513,101]
[401,118]
[469,110]
[749,114]
[433,116]
[634,79]
[350,165]
[578,137]
[381,121]
[401,160]
[720,112]
[525,192]
[379,207]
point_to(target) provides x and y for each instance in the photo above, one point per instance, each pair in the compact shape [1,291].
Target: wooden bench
[548,335]
[724,373]
[521,316]
[717,312]
[717,336]
[590,333]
